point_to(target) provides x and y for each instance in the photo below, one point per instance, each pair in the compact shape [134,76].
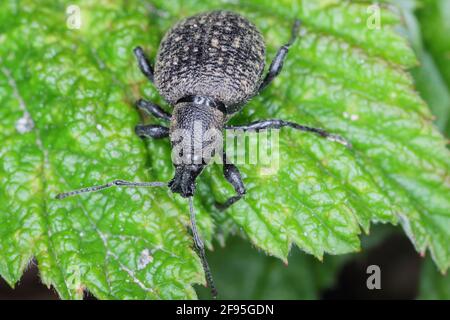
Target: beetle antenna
[115,183]
[200,248]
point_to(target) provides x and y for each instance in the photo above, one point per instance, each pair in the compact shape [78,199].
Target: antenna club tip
[60,196]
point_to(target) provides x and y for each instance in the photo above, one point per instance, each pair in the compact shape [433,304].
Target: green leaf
[433,285]
[79,86]
[433,89]
[434,17]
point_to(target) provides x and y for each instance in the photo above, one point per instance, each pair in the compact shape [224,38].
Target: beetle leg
[152,131]
[278,123]
[233,176]
[277,62]
[153,109]
[144,63]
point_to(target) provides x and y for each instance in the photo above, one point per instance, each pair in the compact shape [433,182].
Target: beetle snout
[185,190]
[184,180]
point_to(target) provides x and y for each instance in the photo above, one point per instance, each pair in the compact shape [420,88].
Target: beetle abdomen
[219,54]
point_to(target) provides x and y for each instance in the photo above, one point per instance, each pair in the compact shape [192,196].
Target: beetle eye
[198,100]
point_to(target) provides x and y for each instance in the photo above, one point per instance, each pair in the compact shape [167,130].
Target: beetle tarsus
[277,63]
[144,63]
[339,139]
[233,176]
[295,31]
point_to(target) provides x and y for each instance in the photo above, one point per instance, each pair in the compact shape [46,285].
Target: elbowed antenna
[115,183]
[200,248]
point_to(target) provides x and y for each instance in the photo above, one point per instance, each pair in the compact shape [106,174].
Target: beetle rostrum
[207,67]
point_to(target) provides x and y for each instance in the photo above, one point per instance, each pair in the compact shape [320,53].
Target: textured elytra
[219,54]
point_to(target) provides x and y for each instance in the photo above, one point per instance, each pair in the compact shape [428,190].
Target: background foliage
[426,25]
[67,120]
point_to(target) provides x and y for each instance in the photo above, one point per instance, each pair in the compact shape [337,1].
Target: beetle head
[184,180]
[196,136]
[188,162]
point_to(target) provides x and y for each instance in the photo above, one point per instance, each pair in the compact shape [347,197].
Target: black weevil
[208,66]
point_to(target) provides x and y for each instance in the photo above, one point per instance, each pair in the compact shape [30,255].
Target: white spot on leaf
[144,259]
[25,124]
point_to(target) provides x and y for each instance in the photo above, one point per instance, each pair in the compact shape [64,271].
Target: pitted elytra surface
[219,54]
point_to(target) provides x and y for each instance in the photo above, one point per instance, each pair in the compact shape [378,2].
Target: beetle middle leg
[277,62]
[153,109]
[152,130]
[233,176]
[278,124]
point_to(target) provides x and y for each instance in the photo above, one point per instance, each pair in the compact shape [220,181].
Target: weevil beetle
[207,67]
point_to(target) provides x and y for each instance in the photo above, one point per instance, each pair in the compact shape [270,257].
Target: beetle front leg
[233,176]
[278,124]
[152,131]
[277,63]
[153,109]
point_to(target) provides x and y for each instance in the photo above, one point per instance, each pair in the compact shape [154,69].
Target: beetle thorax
[195,132]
